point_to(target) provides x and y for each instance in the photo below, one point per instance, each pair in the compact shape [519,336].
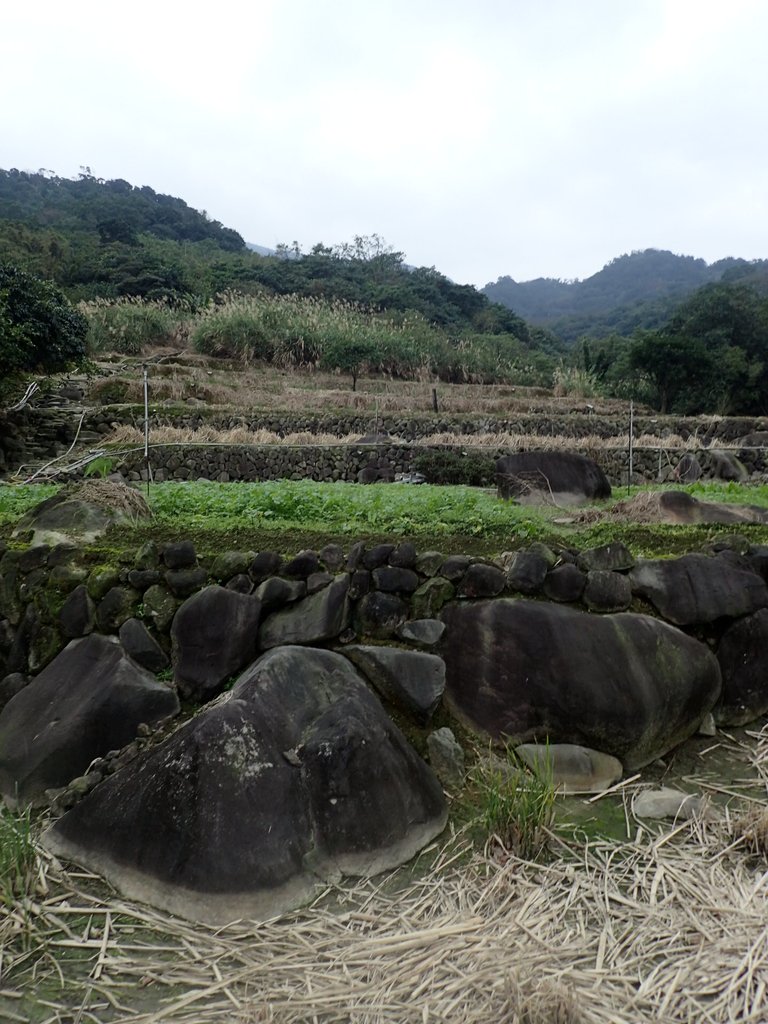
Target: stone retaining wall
[35,435]
[347,462]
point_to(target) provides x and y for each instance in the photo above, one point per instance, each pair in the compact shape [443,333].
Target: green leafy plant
[18,858]
[516,803]
[100,468]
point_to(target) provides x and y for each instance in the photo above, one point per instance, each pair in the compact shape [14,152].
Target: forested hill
[109,239]
[116,210]
[640,289]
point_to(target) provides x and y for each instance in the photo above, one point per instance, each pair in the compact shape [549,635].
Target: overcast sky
[483,138]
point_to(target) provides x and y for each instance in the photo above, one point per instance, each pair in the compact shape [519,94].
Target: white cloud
[497,138]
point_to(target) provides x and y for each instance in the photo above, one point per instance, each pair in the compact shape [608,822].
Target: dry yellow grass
[491,441]
[186,376]
[663,927]
[667,925]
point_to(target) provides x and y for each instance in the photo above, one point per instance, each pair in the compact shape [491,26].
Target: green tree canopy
[40,330]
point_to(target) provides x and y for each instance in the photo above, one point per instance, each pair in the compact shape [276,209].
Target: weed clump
[18,859]
[516,803]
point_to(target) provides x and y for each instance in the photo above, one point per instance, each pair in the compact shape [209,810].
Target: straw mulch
[112,496]
[667,926]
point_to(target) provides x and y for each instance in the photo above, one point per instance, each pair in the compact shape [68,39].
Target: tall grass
[18,859]
[130,325]
[516,803]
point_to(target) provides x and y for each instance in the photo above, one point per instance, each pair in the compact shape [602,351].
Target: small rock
[446,757]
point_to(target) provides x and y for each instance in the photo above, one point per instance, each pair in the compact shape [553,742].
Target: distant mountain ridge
[637,289]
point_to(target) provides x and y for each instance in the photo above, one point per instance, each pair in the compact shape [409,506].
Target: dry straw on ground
[112,496]
[665,926]
[126,435]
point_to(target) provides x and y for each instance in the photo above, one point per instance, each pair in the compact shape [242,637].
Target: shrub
[448,467]
[39,329]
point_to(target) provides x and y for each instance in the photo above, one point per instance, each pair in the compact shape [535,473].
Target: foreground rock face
[294,776]
[741,654]
[89,700]
[626,685]
[545,476]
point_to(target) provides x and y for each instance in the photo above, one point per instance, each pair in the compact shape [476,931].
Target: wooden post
[146,424]
[434,399]
[631,442]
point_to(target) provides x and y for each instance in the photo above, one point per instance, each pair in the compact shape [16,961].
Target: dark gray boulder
[404,555]
[184,582]
[139,644]
[394,580]
[10,685]
[332,557]
[427,601]
[264,565]
[241,584]
[376,556]
[320,616]
[678,507]
[360,581]
[412,680]
[526,571]
[89,700]
[725,466]
[698,589]
[607,591]
[294,777]
[564,583]
[741,653]
[115,607]
[214,635]
[302,565]
[179,555]
[160,607]
[68,517]
[422,632]
[78,613]
[379,615]
[276,592]
[446,757]
[564,477]
[611,557]
[628,685]
[231,563]
[688,469]
[454,567]
[482,580]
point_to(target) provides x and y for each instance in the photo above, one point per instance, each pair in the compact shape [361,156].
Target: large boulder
[82,514]
[89,700]
[698,588]
[549,477]
[680,508]
[214,636]
[741,654]
[295,776]
[627,685]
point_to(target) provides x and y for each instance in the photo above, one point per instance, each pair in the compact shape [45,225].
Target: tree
[675,364]
[39,328]
[349,353]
